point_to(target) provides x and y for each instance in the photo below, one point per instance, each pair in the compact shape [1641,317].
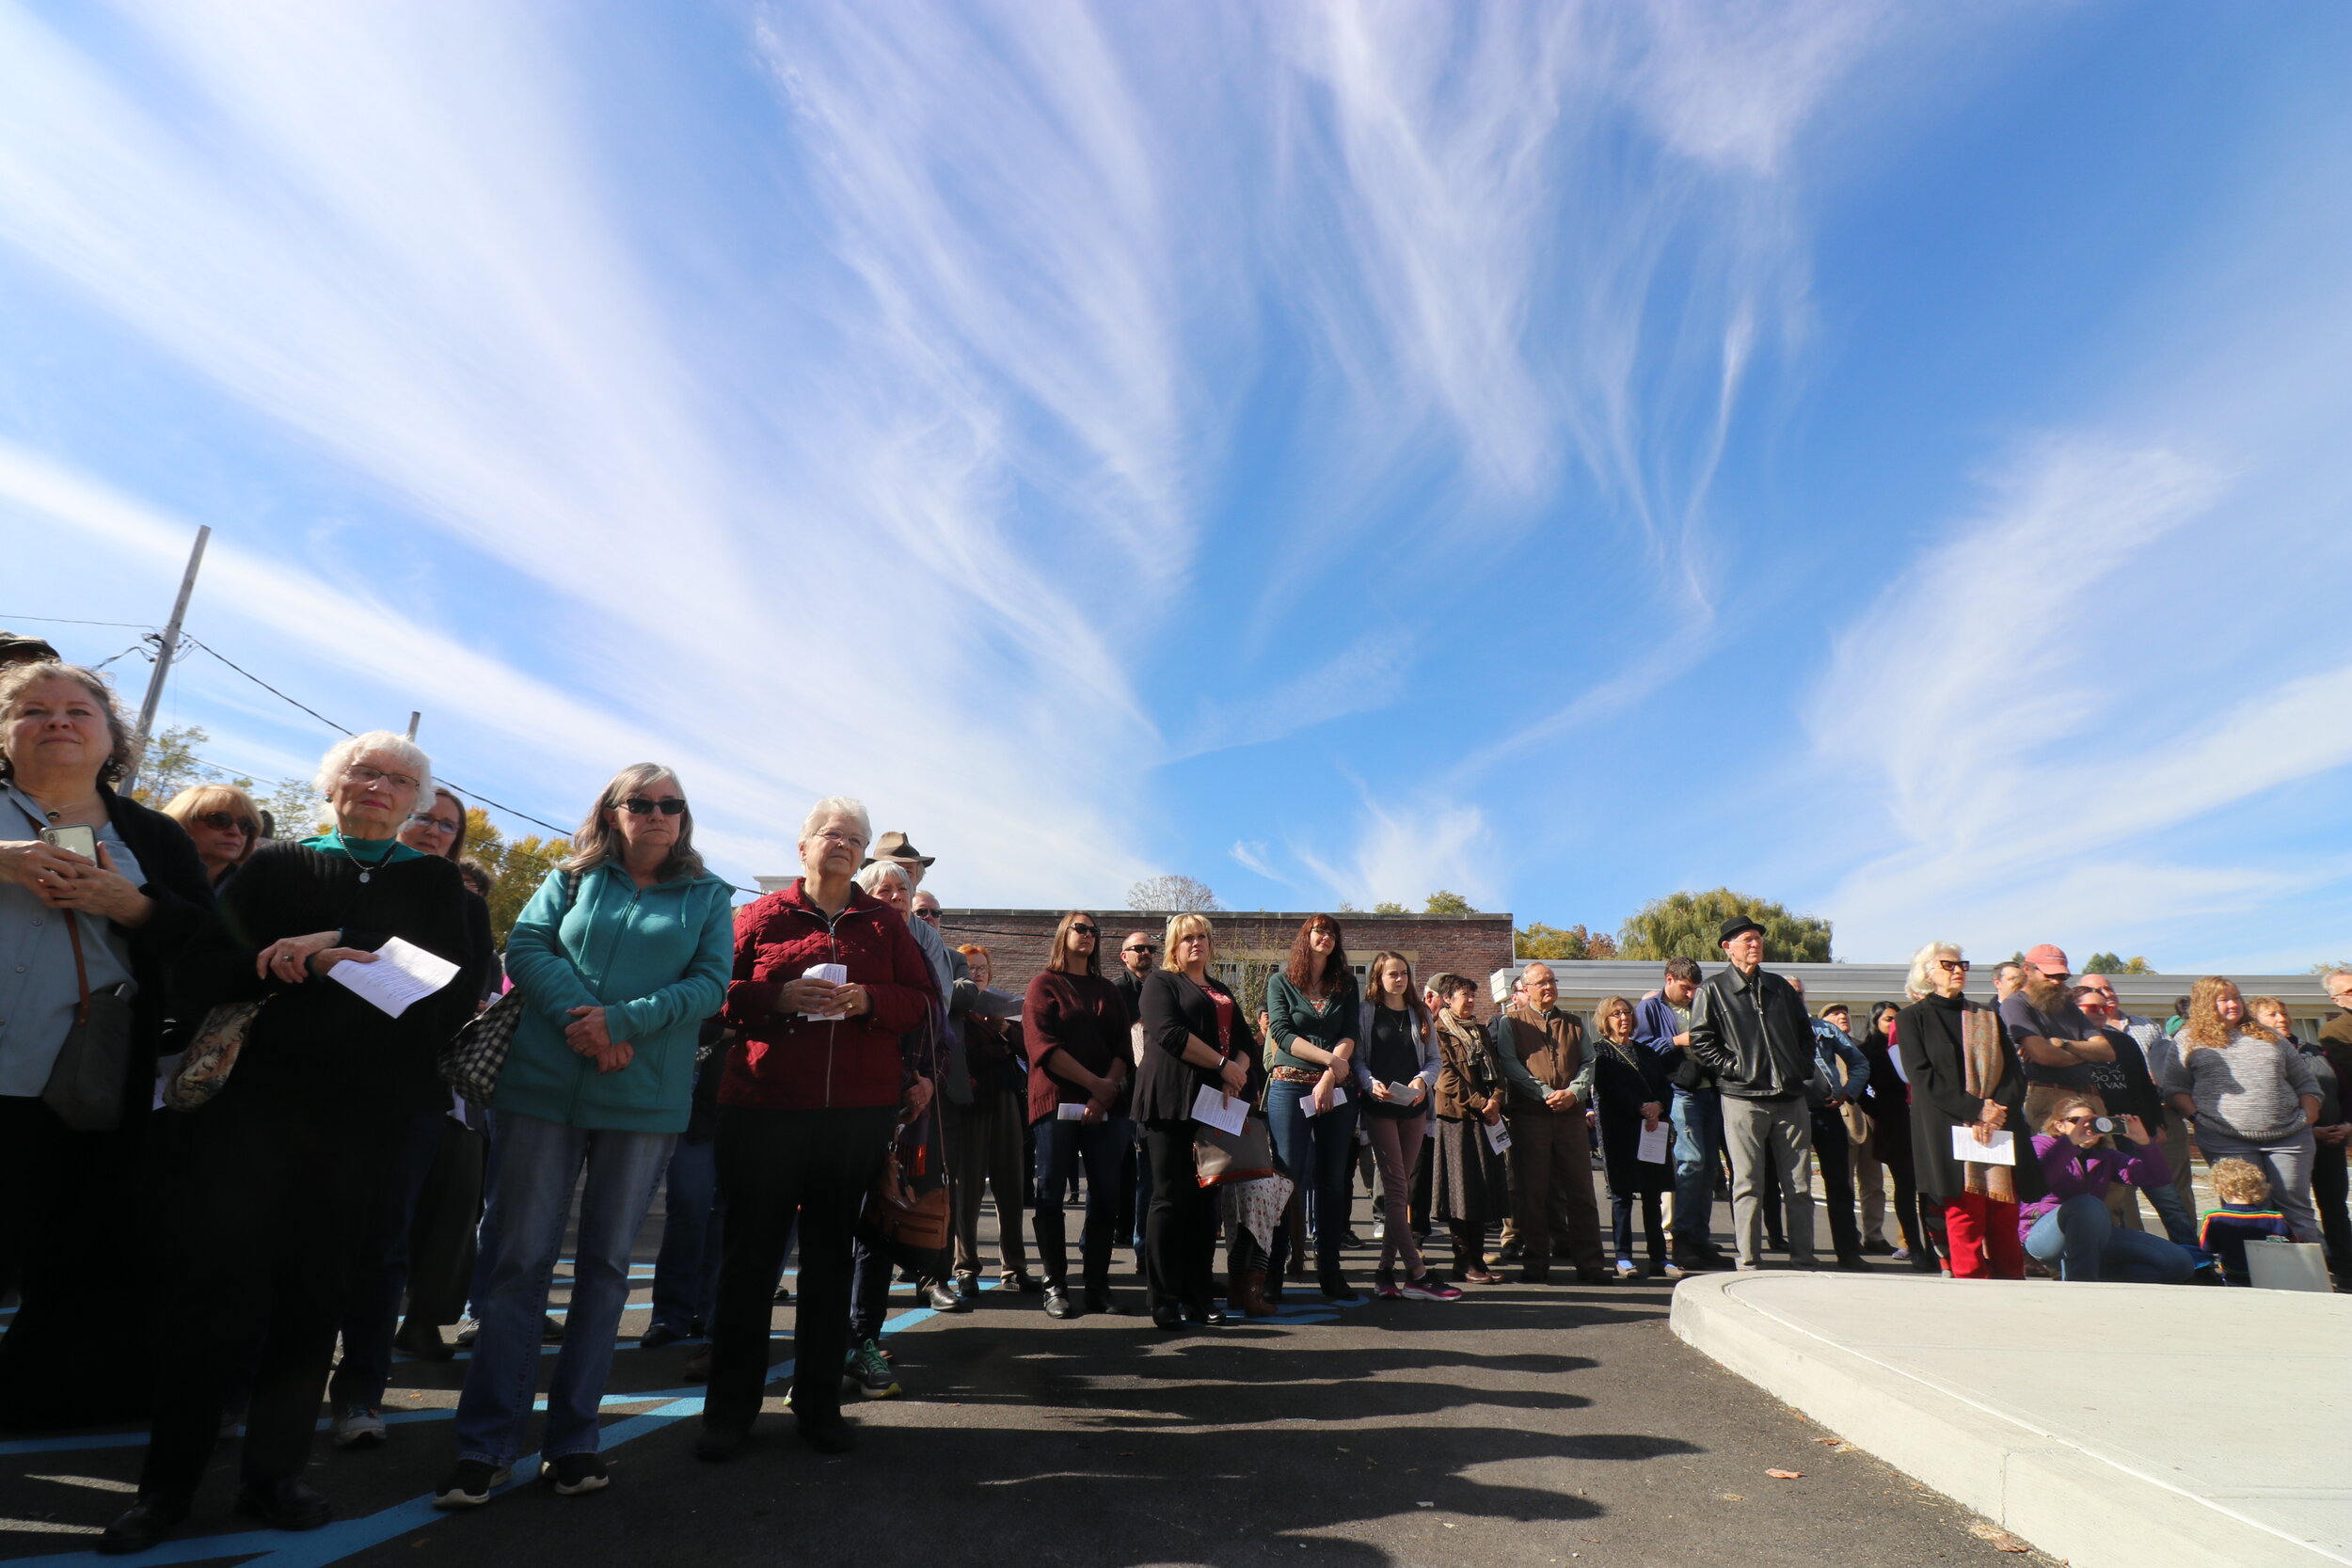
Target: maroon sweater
[1085,1016]
[784,1062]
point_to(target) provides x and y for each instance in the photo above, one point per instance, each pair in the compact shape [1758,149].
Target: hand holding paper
[1651,1146]
[402,976]
[1224,1112]
[2002,1150]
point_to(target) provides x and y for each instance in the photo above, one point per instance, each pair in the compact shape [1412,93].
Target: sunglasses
[1954,966]
[221,822]
[1082,930]
[1142,947]
[637,805]
[932,915]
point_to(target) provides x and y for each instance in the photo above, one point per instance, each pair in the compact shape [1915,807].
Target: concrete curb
[2092,1510]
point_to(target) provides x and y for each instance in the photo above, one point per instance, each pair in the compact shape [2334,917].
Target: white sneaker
[355,1426]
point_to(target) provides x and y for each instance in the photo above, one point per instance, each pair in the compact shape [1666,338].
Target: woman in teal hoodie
[621,954]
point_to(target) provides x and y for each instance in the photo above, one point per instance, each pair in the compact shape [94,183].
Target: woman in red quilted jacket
[814,1086]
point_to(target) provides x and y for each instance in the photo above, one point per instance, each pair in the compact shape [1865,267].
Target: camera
[2110,1127]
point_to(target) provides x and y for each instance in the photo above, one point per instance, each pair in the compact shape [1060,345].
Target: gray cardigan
[1424,1042]
[2250,1088]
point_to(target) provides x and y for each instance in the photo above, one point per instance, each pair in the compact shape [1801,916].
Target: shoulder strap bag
[93,1066]
[476,1054]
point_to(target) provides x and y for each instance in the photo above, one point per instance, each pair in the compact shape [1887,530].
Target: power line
[271,689]
[61,621]
[470,794]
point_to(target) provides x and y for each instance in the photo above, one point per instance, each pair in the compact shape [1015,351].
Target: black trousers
[268,1216]
[1180,1227]
[441,1243]
[77,1241]
[776,1169]
[2330,1177]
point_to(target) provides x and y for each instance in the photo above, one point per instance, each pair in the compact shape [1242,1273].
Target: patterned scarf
[1980,1053]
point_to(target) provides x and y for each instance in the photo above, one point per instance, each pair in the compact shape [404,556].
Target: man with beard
[2055,1042]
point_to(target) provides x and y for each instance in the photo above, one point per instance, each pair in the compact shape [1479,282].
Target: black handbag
[93,1066]
[476,1054]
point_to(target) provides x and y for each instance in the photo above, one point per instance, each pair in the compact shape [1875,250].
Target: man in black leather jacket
[1750,1029]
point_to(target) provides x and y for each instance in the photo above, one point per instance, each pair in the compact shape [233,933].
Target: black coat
[182,894]
[1174,1008]
[1625,1078]
[1928,1035]
[1749,1063]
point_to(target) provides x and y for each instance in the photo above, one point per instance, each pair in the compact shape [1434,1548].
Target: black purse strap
[81,969]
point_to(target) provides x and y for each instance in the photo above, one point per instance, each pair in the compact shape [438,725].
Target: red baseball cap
[2049,959]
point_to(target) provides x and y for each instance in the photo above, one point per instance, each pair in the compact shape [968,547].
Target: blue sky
[1885,458]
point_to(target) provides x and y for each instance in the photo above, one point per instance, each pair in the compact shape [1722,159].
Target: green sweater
[657,960]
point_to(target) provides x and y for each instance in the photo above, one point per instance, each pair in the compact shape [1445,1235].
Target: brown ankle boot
[1249,1293]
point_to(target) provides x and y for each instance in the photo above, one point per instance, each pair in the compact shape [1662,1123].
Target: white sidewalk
[2116,1426]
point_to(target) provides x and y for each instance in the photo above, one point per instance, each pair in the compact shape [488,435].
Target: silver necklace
[367,870]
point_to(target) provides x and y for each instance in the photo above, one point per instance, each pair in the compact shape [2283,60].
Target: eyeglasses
[221,822]
[932,915]
[850,839]
[2075,1121]
[1954,966]
[1082,930]
[637,805]
[368,777]
[440,824]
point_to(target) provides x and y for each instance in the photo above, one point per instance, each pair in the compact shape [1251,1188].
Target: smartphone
[79,841]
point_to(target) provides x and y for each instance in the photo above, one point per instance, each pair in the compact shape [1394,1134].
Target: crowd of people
[209,1096]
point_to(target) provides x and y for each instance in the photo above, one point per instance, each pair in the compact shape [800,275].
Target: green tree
[1388,906]
[296,809]
[1538,941]
[170,765]
[2109,963]
[516,867]
[1683,925]
[1442,902]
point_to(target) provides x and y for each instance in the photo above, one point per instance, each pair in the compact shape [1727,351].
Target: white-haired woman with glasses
[267,1216]
[620,956]
[1964,1076]
[817,1078]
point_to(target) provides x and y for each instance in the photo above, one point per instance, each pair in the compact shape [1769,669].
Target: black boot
[1097,1253]
[1053,1253]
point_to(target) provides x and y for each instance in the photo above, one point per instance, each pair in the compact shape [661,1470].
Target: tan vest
[1552,1047]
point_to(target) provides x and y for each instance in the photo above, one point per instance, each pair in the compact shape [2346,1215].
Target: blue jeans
[1697,1116]
[2172,1210]
[686,1272]
[1105,1147]
[536,1164]
[1318,1153]
[2084,1241]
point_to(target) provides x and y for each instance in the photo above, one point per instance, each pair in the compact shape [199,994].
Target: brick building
[1471,944]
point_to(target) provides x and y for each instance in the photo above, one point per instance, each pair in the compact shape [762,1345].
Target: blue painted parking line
[345,1538]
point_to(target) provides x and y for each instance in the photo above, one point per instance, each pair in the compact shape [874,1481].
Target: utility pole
[412,725]
[163,659]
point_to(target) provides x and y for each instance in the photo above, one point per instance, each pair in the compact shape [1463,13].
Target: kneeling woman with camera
[2070,1227]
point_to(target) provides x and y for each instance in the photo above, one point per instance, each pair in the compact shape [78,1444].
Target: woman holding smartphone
[87,872]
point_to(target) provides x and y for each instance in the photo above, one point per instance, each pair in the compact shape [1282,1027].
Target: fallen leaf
[2001,1539]
[1786,1475]
[1833,1442]
[1733,1498]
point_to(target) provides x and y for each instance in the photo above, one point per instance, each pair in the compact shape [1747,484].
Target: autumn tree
[1683,925]
[1388,906]
[516,867]
[2109,963]
[1442,902]
[1539,941]
[1172,894]
[170,765]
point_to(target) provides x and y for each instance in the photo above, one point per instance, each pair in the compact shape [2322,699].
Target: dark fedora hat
[24,648]
[893,847]
[1736,925]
